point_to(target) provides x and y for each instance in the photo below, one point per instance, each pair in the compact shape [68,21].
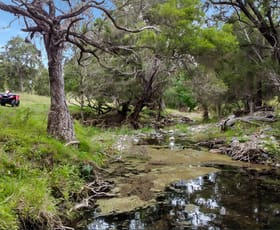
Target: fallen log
[263,116]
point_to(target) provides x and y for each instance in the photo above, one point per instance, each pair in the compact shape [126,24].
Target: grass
[39,176]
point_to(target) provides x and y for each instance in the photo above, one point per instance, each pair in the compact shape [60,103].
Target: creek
[228,196]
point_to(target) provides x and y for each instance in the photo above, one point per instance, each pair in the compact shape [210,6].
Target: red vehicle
[9,98]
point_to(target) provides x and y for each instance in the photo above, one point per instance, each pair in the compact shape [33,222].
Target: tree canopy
[111,63]
[60,23]
[21,62]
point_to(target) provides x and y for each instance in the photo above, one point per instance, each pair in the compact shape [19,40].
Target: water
[233,198]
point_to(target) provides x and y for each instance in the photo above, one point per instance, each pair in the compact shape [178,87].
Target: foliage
[131,81]
[183,26]
[139,78]
[259,16]
[41,83]
[197,45]
[21,62]
[178,95]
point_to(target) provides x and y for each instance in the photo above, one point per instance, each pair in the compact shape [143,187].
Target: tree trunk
[246,105]
[251,106]
[218,110]
[124,110]
[60,123]
[82,96]
[21,79]
[134,117]
[161,108]
[205,113]
[258,101]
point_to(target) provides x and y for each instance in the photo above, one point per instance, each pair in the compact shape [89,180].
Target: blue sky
[7,32]
[12,31]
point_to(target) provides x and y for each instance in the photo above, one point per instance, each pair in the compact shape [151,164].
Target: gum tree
[257,26]
[59,23]
[24,60]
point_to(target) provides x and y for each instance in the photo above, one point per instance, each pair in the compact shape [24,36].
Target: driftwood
[265,116]
[212,144]
[250,151]
[96,189]
[249,155]
[74,143]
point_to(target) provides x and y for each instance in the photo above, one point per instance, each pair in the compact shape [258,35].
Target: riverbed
[175,187]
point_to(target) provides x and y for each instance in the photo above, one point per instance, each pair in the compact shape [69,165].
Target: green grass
[39,176]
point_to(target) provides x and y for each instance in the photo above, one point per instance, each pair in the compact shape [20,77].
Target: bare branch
[14,9]
[75,13]
[109,15]
[51,9]
[10,24]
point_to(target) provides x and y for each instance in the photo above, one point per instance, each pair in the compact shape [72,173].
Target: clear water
[230,199]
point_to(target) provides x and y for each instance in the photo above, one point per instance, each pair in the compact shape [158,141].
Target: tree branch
[109,15]
[14,9]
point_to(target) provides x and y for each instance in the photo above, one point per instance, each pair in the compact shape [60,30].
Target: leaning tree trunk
[134,116]
[60,123]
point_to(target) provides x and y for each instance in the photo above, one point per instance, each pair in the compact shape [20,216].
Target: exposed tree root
[97,188]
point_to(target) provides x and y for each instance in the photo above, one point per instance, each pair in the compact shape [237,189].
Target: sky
[7,32]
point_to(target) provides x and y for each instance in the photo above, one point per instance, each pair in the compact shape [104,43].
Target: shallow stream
[233,198]
[230,198]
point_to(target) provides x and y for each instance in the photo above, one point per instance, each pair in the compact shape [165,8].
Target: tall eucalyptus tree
[23,59]
[258,33]
[59,23]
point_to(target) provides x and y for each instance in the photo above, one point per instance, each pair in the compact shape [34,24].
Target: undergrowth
[40,177]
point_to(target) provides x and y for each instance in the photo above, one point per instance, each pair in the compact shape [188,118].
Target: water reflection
[136,223]
[133,224]
[190,213]
[100,224]
[230,199]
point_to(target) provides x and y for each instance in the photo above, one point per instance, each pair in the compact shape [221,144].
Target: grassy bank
[40,178]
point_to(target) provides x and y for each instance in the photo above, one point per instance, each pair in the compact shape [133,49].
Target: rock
[219,151]
[191,208]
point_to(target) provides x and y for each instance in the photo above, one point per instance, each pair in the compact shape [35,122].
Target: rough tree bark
[134,117]
[60,124]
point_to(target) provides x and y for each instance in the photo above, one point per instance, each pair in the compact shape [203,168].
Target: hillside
[41,179]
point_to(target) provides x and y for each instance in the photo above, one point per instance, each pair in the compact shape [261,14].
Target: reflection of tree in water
[136,223]
[189,214]
[99,224]
[230,199]
[133,224]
